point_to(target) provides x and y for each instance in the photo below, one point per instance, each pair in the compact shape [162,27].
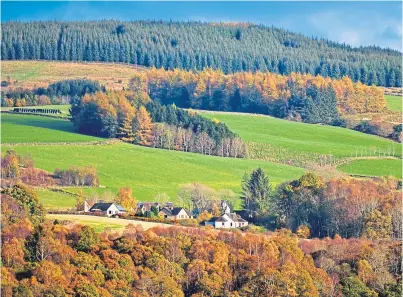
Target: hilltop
[196,45]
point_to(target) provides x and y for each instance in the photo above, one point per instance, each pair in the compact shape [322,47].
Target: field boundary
[36,114]
[102,142]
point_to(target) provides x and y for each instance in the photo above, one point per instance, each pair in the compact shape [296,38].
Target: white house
[109,209]
[227,220]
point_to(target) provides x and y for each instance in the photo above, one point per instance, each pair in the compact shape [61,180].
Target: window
[110,212]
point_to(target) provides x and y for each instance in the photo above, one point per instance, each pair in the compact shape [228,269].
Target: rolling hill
[148,171]
[302,137]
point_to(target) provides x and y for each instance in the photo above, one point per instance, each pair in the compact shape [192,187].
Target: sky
[355,23]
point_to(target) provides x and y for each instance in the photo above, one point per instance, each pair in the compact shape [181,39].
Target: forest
[296,97]
[198,45]
[47,258]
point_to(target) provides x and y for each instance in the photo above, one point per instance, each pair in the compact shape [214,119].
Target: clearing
[100,223]
[33,74]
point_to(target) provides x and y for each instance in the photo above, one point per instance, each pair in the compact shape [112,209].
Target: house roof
[234,217]
[176,210]
[103,206]
[167,211]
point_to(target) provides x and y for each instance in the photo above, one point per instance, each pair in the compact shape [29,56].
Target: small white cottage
[227,221]
[109,209]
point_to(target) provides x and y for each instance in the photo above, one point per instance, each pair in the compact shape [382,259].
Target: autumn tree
[143,126]
[126,199]
[377,225]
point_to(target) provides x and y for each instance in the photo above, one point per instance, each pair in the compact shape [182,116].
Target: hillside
[147,171]
[304,138]
[195,45]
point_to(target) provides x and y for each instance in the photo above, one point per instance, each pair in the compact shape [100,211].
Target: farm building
[228,220]
[107,208]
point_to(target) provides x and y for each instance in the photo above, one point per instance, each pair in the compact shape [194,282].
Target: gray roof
[175,211]
[233,216]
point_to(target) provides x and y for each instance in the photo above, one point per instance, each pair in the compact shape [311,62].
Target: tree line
[47,258]
[56,93]
[133,118]
[230,47]
[307,98]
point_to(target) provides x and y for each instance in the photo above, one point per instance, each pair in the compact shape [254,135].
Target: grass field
[56,200]
[32,74]
[63,108]
[394,102]
[150,171]
[32,128]
[301,137]
[100,223]
[374,167]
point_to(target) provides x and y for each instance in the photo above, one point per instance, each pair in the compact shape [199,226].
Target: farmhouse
[228,220]
[175,213]
[107,208]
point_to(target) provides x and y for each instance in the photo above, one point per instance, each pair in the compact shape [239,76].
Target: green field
[374,167]
[394,102]
[100,223]
[32,128]
[301,137]
[150,171]
[56,200]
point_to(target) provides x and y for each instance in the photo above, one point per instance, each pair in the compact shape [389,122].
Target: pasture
[56,200]
[33,74]
[394,102]
[304,138]
[16,128]
[101,223]
[373,167]
[150,171]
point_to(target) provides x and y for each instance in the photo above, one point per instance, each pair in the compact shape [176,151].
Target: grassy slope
[31,74]
[150,171]
[394,102]
[31,128]
[56,200]
[374,167]
[302,137]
